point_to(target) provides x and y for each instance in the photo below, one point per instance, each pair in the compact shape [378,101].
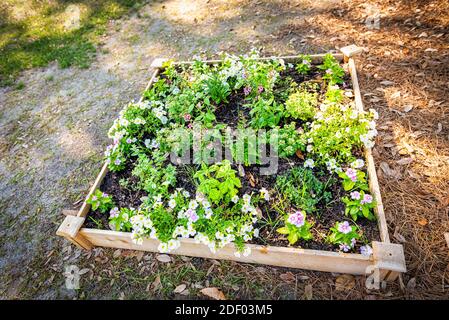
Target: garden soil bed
[231,114]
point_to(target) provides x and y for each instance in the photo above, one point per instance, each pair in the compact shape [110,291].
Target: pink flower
[247,90]
[187,117]
[192,215]
[344,227]
[355,195]
[352,174]
[367,199]
[297,219]
[190,126]
[114,212]
[260,89]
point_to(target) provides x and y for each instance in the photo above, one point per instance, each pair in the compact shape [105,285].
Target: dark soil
[232,114]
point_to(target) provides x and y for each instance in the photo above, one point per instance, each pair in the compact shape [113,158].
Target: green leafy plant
[344,235]
[302,105]
[304,66]
[218,182]
[153,178]
[333,73]
[100,201]
[302,189]
[296,227]
[218,89]
[265,113]
[360,204]
[289,140]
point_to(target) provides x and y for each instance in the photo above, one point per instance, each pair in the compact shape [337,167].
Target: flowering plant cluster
[344,235]
[296,227]
[316,123]
[100,201]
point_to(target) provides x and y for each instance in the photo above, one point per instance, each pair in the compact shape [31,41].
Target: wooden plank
[85,207]
[446,236]
[372,175]
[276,256]
[316,58]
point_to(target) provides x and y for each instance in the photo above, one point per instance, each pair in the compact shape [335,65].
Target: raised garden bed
[314,205]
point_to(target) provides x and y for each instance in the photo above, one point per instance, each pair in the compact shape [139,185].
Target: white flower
[186,194]
[173,244]
[264,193]
[246,198]
[139,121]
[163,247]
[172,203]
[374,113]
[235,199]
[366,250]
[256,233]
[309,148]
[357,164]
[208,213]
[193,204]
[309,163]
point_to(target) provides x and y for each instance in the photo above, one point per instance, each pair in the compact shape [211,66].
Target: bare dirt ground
[53,133]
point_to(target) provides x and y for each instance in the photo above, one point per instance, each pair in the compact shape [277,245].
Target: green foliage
[153,177]
[333,73]
[302,189]
[289,140]
[265,113]
[304,66]
[218,182]
[100,201]
[217,89]
[302,105]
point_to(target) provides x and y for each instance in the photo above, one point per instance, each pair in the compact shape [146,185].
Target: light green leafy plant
[302,105]
[218,182]
[344,235]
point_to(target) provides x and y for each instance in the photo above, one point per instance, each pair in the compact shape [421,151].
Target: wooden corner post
[389,260]
[69,229]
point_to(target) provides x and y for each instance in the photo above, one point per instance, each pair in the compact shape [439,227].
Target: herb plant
[100,201]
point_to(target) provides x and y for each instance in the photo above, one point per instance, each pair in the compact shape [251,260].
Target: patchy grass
[34,33]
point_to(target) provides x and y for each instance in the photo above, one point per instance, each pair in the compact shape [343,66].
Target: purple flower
[244,75]
[352,174]
[114,212]
[117,162]
[247,90]
[192,215]
[104,194]
[355,195]
[94,198]
[129,140]
[367,199]
[344,227]
[297,219]
[260,89]
[353,242]
[344,247]
[366,250]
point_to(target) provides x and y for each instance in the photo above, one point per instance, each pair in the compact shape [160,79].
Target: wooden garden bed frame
[387,259]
